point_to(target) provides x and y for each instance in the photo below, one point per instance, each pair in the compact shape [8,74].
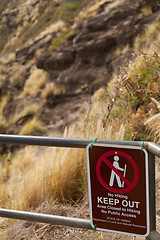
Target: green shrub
[143,81]
[60,39]
[66,10]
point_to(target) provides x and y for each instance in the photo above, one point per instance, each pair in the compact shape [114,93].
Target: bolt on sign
[118,188]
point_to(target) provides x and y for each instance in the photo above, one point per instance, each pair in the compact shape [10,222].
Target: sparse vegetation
[126,109]
[2,122]
[32,110]
[151,34]
[49,92]
[138,84]
[35,83]
[32,27]
[66,9]
[146,10]
[142,83]
[3,101]
[61,38]
[32,127]
[19,76]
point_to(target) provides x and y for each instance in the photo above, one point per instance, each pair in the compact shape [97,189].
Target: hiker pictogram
[117,182]
[115,176]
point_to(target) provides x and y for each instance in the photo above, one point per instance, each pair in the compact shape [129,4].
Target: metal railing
[152,148]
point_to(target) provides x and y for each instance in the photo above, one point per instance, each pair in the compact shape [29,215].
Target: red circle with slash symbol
[130,185]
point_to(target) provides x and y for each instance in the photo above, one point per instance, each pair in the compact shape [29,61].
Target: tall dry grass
[35,83]
[35,174]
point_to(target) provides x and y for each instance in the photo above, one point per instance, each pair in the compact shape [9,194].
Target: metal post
[152,207]
[154,235]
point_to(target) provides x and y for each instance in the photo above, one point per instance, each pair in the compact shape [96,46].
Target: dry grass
[90,10]
[41,174]
[35,83]
[2,122]
[18,76]
[139,84]
[7,58]
[124,50]
[3,101]
[146,10]
[35,174]
[54,27]
[33,109]
[150,35]
[153,124]
[51,90]
[114,4]
[32,127]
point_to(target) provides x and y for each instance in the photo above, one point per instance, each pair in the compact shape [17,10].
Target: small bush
[143,82]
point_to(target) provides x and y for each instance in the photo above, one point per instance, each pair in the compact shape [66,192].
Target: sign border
[147,187]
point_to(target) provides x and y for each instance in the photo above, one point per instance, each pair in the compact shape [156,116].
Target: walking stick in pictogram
[125,168]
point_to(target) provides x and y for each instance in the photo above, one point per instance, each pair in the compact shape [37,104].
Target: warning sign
[118,188]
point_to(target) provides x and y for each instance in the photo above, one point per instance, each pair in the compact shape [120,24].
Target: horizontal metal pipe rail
[46,218]
[58,220]
[71,143]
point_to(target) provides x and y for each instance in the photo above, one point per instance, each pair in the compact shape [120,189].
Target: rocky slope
[89,56]
[83,62]
[52,62]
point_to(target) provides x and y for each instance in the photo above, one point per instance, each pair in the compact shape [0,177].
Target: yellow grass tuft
[153,124]
[40,173]
[93,9]
[28,109]
[146,10]
[151,33]
[35,83]
[32,127]
[18,75]
[49,91]
[124,50]
[3,101]
[7,58]
[54,27]
[2,122]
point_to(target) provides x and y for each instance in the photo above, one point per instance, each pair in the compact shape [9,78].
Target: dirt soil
[28,230]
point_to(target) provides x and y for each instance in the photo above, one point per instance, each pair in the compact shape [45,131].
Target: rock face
[58,61]
[99,46]
[89,56]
